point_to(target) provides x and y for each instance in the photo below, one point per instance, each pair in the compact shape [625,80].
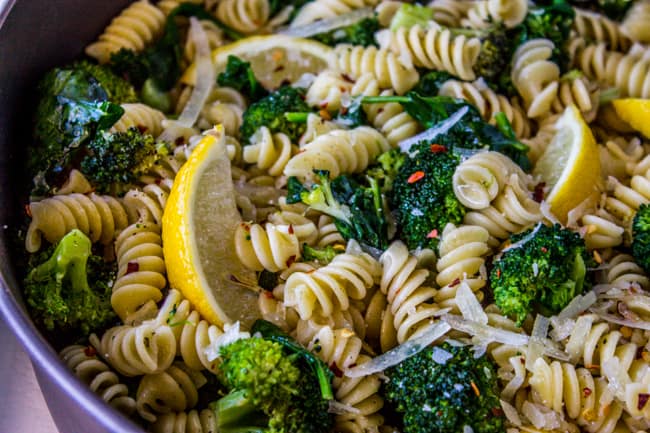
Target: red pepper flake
[90,351]
[325,114]
[336,370]
[290,229]
[475,388]
[455,282]
[433,234]
[28,210]
[268,294]
[279,68]
[544,250]
[498,273]
[132,267]
[438,148]
[586,391]
[538,194]
[344,110]
[323,104]
[290,261]
[142,129]
[643,400]
[347,78]
[415,176]
[179,141]
[496,411]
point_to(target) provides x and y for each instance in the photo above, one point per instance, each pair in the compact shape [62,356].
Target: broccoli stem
[300,117]
[384,99]
[234,410]
[71,256]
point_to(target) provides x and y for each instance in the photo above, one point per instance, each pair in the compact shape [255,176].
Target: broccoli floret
[240,76]
[72,106]
[553,22]
[116,160]
[641,237]
[423,195]
[321,255]
[357,209]
[411,15]
[386,168]
[57,290]
[118,90]
[360,33]
[444,388]
[542,269]
[275,386]
[431,82]
[270,112]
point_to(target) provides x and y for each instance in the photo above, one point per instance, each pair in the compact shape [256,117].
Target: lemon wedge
[273,58]
[198,237]
[636,112]
[570,165]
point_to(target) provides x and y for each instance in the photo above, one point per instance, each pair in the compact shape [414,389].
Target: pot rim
[42,355]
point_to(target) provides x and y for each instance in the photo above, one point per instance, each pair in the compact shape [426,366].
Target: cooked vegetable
[240,76]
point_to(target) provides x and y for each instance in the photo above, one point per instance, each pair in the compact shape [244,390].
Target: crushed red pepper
[438,148]
[433,234]
[415,176]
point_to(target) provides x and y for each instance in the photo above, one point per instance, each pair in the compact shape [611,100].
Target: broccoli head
[357,209]
[431,82]
[240,76]
[58,292]
[118,90]
[409,15]
[321,255]
[423,195]
[542,269]
[270,112]
[641,237]
[386,168]
[494,58]
[72,106]
[360,33]
[274,386]
[443,389]
[116,160]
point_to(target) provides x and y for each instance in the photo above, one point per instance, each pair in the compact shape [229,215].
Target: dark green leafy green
[240,76]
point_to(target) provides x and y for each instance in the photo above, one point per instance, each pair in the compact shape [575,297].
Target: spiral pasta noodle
[194,421]
[489,103]
[623,272]
[478,180]
[166,6]
[461,250]
[341,349]
[409,300]
[328,234]
[535,76]
[579,92]
[635,24]
[449,13]
[141,271]
[246,16]
[346,277]
[141,116]
[510,12]
[172,390]
[269,151]
[386,67]
[511,212]
[98,376]
[224,106]
[316,126]
[327,91]
[215,38]
[148,203]
[304,228]
[601,231]
[538,142]
[627,73]
[324,9]
[272,247]
[623,201]
[435,48]
[598,28]
[101,218]
[339,152]
[147,348]
[134,28]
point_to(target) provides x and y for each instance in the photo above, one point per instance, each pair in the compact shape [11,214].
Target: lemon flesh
[636,112]
[274,58]
[570,165]
[198,237]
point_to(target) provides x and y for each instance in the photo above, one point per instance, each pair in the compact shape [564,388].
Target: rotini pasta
[434,48]
[535,77]
[510,12]
[623,272]
[270,152]
[135,28]
[272,247]
[246,16]
[323,9]
[449,13]
[580,92]
[186,422]
[98,376]
[598,28]
[339,152]
[346,277]
[101,218]
[635,23]
[141,116]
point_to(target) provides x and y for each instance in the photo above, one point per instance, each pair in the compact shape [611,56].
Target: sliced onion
[511,413]
[440,356]
[433,132]
[537,340]
[578,336]
[205,79]
[545,209]
[541,416]
[401,352]
[578,305]
[638,324]
[469,306]
[485,332]
[327,25]
[338,408]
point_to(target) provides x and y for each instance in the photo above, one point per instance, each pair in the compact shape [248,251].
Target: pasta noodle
[272,247]
[269,151]
[510,12]
[323,9]
[598,28]
[634,24]
[135,28]
[449,13]
[186,422]
[141,116]
[246,16]
[535,77]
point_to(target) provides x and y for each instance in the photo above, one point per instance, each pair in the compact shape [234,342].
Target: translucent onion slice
[485,332]
[511,413]
[401,352]
[469,306]
[431,133]
[537,340]
[327,25]
[638,324]
[577,306]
